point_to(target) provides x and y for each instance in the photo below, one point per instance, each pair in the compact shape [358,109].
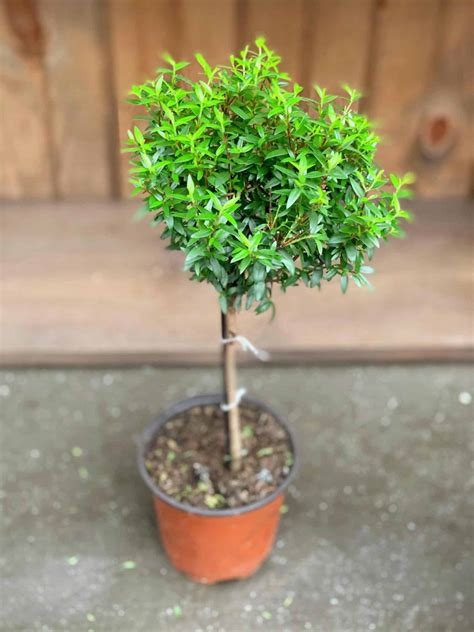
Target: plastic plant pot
[212,545]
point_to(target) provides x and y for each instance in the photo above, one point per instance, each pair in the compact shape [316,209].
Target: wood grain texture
[102,287]
[282,23]
[444,155]
[80,98]
[338,36]
[402,73]
[26,169]
[140,32]
[66,67]
[421,92]
[208,27]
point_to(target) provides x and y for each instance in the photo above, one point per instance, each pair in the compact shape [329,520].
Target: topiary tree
[260,186]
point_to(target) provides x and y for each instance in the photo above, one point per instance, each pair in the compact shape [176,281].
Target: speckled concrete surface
[378,535]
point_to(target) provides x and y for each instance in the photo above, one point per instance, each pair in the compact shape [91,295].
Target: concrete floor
[379,530]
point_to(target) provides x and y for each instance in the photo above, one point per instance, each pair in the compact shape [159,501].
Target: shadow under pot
[212,545]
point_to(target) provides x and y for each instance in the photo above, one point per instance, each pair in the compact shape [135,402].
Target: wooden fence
[66,67]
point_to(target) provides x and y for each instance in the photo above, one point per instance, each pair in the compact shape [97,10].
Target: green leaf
[241,254]
[129,565]
[276,153]
[247,432]
[190,185]
[357,188]
[314,222]
[138,135]
[316,277]
[344,283]
[351,252]
[193,255]
[239,111]
[204,65]
[294,195]
[223,303]
[288,262]
[265,452]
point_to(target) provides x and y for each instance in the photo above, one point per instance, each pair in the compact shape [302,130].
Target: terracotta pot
[212,545]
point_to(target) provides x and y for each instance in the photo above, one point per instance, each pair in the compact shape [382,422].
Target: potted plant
[259,186]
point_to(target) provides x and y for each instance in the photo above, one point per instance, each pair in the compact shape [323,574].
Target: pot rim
[151,431]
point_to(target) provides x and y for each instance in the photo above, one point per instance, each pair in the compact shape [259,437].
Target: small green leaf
[138,135]
[351,252]
[193,255]
[294,195]
[357,188]
[223,303]
[129,565]
[314,222]
[288,262]
[316,277]
[247,432]
[239,111]
[190,184]
[204,65]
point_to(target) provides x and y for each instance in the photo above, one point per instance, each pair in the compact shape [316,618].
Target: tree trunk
[234,440]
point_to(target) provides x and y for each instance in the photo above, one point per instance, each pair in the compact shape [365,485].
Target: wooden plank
[26,163]
[300,357]
[406,40]
[79,97]
[446,135]
[208,27]
[102,286]
[282,23]
[140,32]
[338,34]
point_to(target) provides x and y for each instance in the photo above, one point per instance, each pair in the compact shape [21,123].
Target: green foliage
[258,185]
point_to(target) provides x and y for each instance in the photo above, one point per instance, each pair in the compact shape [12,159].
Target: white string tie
[238,398]
[248,346]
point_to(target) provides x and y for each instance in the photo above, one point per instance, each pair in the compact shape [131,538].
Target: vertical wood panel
[141,30]
[405,52]
[281,22]
[56,119]
[338,38]
[76,68]
[445,148]
[25,159]
[208,27]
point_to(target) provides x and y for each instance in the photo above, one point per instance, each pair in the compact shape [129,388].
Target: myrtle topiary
[257,184]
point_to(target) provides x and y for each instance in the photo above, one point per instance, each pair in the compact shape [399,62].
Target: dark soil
[189,461]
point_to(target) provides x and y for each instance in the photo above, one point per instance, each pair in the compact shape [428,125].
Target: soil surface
[189,459]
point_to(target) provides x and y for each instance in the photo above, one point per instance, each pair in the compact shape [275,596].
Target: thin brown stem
[234,439]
